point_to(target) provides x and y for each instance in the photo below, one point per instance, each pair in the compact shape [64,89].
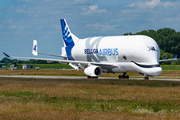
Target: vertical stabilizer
[35,48]
[68,38]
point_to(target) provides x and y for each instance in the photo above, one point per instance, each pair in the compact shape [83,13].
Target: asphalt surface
[77,77]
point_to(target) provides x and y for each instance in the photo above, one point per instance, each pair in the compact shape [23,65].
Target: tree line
[15,61]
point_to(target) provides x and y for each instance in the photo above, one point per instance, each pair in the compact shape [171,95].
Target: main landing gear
[124,76]
[146,78]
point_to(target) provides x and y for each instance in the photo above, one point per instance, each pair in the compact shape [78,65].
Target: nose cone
[156,71]
[145,49]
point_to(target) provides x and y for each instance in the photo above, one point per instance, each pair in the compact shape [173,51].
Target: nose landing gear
[146,77]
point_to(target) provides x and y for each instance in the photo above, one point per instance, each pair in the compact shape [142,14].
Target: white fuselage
[132,53]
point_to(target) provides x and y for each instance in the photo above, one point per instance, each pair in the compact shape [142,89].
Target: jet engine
[93,71]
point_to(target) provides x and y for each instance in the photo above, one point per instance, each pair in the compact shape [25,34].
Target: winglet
[6,54]
[175,57]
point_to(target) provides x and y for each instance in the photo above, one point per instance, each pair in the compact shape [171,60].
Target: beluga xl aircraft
[110,54]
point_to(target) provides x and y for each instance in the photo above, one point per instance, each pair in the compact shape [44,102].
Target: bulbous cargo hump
[137,48]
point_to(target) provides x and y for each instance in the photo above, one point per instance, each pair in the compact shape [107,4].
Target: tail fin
[35,49]
[68,38]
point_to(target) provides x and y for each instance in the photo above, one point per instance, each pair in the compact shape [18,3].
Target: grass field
[52,66]
[88,99]
[170,67]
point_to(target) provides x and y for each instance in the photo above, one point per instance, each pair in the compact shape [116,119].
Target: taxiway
[78,77]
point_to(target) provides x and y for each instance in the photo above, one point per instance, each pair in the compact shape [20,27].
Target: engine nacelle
[93,71]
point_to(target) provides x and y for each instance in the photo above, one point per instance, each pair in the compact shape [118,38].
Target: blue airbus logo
[35,47]
[152,48]
[103,52]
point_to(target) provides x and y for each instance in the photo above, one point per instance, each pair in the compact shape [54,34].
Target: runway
[78,77]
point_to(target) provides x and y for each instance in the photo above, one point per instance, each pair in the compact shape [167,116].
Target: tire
[146,78]
[90,77]
[119,77]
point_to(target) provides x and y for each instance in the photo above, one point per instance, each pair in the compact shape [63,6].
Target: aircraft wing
[53,55]
[103,65]
[175,58]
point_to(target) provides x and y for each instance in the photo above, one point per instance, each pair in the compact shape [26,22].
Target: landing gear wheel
[119,76]
[90,77]
[124,76]
[127,76]
[146,78]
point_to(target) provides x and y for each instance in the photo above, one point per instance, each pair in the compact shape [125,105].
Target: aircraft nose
[156,71]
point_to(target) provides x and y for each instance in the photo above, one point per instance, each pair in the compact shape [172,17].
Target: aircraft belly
[121,68]
[125,67]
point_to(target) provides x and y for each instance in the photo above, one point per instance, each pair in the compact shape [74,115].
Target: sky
[22,21]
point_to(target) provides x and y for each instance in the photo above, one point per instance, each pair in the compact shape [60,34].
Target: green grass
[53,66]
[50,66]
[19,94]
[84,98]
[92,104]
[170,67]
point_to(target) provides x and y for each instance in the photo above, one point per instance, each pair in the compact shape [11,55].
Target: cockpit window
[146,66]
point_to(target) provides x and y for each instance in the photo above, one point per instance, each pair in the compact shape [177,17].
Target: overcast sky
[21,21]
